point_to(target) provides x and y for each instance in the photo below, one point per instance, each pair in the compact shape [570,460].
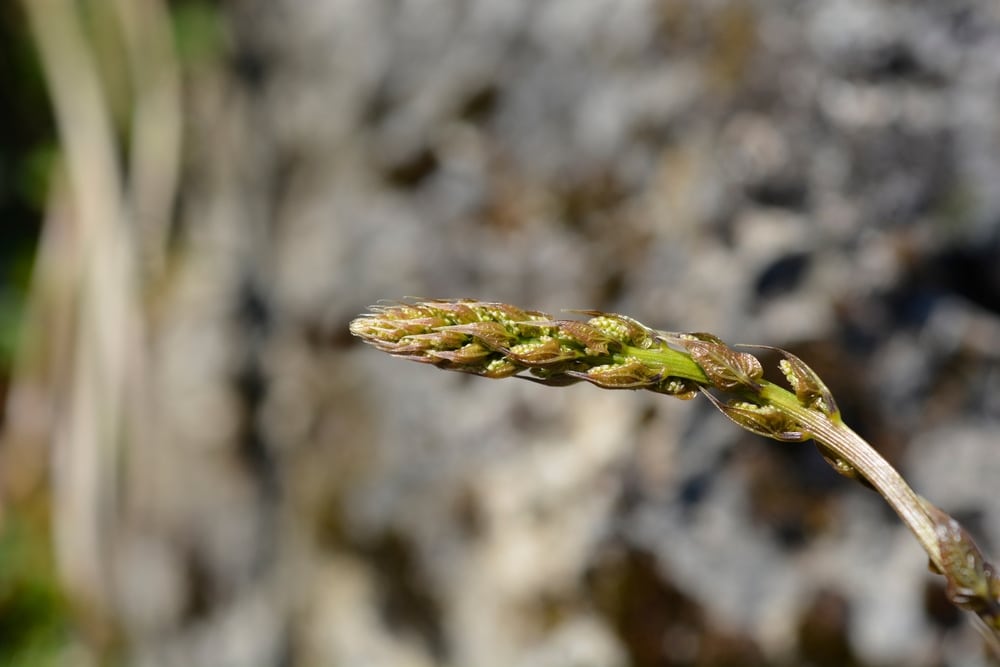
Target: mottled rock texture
[818,175]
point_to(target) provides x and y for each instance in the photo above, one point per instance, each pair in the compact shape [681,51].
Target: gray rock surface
[815,175]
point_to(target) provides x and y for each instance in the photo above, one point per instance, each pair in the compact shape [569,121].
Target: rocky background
[816,175]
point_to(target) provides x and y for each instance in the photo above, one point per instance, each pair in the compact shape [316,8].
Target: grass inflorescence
[612,351]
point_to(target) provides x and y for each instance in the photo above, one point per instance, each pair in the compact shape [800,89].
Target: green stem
[674,363]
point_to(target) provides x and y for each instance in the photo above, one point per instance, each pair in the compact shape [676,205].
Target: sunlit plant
[497,340]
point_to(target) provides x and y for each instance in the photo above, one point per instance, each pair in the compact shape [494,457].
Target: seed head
[499,340]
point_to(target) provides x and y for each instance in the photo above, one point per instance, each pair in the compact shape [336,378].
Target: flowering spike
[612,351]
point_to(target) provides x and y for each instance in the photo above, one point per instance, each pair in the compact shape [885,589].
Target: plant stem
[852,448]
[673,363]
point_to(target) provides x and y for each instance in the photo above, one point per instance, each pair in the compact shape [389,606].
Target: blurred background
[199,465]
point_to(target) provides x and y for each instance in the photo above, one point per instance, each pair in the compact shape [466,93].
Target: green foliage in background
[198,32]
[34,627]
